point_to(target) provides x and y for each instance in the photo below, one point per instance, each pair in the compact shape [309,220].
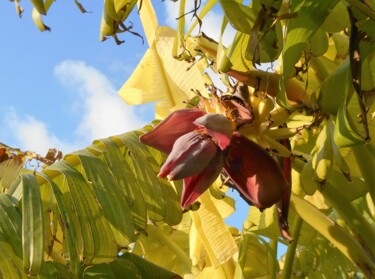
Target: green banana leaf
[87,207]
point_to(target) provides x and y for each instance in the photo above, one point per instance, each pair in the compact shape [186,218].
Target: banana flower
[201,145]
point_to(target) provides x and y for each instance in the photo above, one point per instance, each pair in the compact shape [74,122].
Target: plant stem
[289,259]
[271,262]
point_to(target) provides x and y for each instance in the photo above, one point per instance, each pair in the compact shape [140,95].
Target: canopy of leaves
[102,212]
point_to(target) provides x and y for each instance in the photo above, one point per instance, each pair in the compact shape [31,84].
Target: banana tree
[295,141]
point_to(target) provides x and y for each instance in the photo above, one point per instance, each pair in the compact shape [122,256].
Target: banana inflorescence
[267,128]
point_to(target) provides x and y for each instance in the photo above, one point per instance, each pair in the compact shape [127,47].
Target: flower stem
[288,265]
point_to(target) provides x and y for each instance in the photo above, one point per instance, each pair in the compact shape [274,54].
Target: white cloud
[100,113]
[32,134]
[104,113]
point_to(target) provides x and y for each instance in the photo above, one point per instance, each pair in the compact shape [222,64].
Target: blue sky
[45,78]
[59,88]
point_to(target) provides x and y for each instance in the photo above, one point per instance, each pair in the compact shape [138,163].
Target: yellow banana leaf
[159,77]
[214,233]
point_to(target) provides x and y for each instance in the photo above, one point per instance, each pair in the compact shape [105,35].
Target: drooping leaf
[32,225]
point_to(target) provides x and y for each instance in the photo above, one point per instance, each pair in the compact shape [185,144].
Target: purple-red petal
[178,123]
[190,155]
[256,175]
[195,185]
[218,127]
